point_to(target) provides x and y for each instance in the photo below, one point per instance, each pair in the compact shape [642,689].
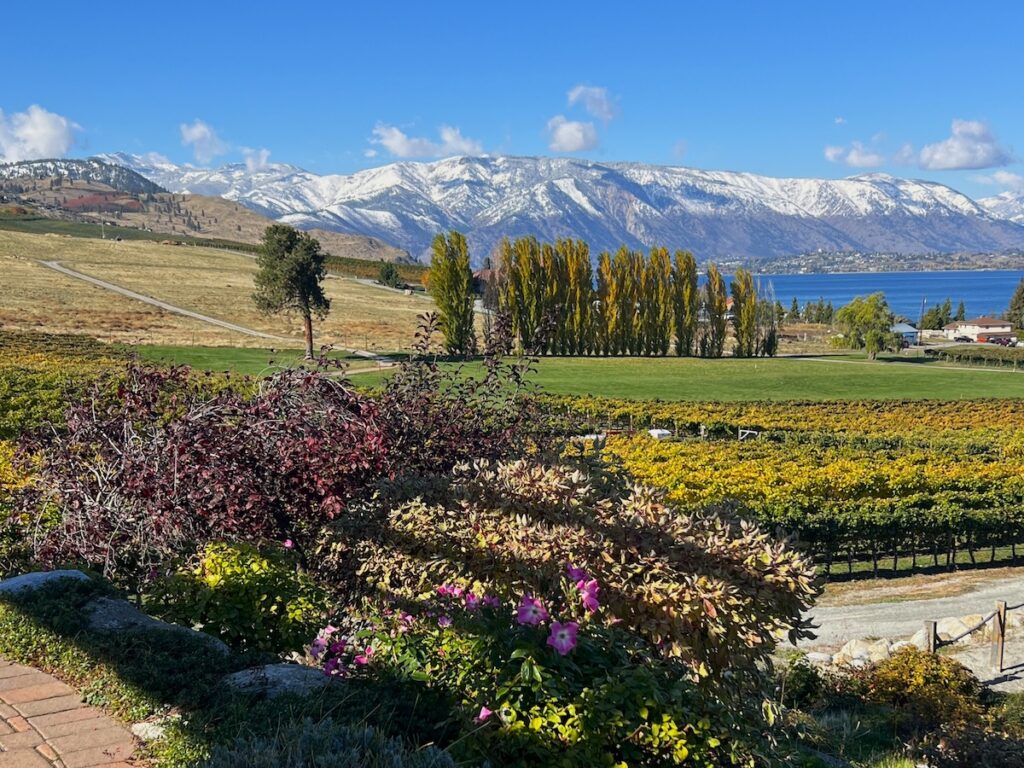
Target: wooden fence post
[998,636]
[930,636]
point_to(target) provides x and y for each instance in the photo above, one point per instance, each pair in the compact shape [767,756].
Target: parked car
[964,339]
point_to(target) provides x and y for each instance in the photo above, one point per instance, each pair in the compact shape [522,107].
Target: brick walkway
[45,724]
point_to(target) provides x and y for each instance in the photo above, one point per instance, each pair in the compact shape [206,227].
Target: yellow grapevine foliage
[699,585]
[848,496]
[865,417]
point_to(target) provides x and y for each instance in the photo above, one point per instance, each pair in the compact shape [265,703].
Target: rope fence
[998,620]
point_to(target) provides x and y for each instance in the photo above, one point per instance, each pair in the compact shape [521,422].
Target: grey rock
[273,680]
[106,615]
[37,580]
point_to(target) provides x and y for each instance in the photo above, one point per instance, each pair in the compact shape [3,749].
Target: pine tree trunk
[307,322]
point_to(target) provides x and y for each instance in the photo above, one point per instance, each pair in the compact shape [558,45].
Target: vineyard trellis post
[999,636]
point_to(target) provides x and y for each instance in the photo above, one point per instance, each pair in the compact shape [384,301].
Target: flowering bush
[543,680]
[251,599]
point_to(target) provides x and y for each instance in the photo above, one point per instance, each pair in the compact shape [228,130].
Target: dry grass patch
[210,281]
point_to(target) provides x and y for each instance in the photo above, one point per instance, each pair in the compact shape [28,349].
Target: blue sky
[922,89]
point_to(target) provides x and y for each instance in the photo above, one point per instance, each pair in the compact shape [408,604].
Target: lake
[983,293]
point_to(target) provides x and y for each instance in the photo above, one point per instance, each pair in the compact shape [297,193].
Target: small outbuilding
[909,333]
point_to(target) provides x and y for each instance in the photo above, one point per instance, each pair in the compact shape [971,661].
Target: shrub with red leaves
[152,466]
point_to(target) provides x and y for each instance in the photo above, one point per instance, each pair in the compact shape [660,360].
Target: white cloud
[35,134]
[860,156]
[905,155]
[369,152]
[205,142]
[856,156]
[1011,181]
[570,135]
[256,159]
[970,147]
[834,154]
[595,100]
[840,120]
[395,141]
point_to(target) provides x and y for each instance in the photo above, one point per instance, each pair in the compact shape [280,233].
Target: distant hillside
[91,171]
[90,190]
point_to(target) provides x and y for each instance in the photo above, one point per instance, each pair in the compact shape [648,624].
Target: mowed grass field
[838,377]
[252,361]
[214,282]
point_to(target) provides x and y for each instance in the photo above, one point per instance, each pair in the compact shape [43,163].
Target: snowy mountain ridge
[716,214]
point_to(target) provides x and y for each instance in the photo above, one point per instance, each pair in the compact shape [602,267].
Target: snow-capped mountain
[716,214]
[1006,205]
[121,176]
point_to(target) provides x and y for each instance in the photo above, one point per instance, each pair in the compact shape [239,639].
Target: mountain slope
[716,214]
[119,177]
[1006,205]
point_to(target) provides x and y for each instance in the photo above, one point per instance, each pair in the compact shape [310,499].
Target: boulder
[952,626]
[107,615]
[880,650]
[272,680]
[37,580]
[819,659]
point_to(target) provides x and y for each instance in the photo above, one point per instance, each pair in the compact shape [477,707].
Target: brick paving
[45,724]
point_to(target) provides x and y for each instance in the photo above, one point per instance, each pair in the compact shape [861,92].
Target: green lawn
[841,377]
[238,360]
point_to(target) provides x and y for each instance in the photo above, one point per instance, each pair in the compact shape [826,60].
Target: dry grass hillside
[192,215]
[213,282]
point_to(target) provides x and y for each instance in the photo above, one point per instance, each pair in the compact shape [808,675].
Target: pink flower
[333,666]
[444,590]
[490,601]
[317,648]
[364,658]
[472,602]
[589,590]
[457,591]
[563,636]
[484,714]
[289,544]
[531,611]
[444,621]
[576,574]
[329,630]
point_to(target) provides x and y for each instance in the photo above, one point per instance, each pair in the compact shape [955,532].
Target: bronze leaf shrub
[701,586]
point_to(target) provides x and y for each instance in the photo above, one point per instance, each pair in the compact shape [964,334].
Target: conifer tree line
[631,304]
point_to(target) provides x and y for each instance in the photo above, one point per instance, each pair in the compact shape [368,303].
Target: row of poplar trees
[632,305]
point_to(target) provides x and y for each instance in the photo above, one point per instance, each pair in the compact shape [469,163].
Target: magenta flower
[490,601]
[589,590]
[444,590]
[444,621]
[289,544]
[472,602]
[563,636]
[338,647]
[576,574]
[531,611]
[457,591]
[333,666]
[329,630]
[365,656]
[484,714]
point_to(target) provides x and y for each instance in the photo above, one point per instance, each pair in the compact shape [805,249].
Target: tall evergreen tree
[744,313]
[794,311]
[291,272]
[685,301]
[451,285]
[961,312]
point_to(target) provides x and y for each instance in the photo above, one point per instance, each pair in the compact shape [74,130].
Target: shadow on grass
[153,673]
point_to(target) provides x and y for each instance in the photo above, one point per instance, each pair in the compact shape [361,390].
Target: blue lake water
[983,292]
